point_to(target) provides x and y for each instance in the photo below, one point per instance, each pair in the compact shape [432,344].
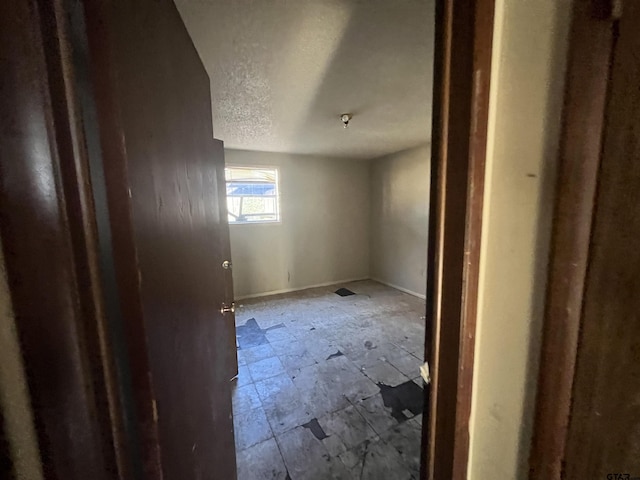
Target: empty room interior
[325,113]
[229,239]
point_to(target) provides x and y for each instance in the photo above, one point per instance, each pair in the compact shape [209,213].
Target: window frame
[278,212]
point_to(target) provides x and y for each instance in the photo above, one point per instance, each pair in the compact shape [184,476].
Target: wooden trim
[441,70]
[101,27]
[464,36]
[48,238]
[591,47]
[79,198]
[482,51]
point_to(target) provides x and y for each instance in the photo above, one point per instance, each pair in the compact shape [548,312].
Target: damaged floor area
[329,385]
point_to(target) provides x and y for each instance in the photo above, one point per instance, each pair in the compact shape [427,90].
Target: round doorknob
[227,265]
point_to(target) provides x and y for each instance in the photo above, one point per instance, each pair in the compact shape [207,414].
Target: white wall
[529,54]
[323,236]
[399,219]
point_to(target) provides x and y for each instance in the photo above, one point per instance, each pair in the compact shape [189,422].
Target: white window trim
[277,196]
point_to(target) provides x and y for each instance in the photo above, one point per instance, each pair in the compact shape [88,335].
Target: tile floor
[329,386]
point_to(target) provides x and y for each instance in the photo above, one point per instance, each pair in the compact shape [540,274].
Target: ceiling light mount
[346,117]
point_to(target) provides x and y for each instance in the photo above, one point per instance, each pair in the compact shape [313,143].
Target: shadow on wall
[388,107]
[400,218]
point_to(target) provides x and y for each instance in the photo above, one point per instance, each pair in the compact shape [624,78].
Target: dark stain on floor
[316,429]
[334,355]
[369,345]
[251,335]
[344,292]
[406,396]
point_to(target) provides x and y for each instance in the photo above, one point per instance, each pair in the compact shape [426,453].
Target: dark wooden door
[604,431]
[163,180]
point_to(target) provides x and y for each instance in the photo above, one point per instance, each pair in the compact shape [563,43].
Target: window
[252,194]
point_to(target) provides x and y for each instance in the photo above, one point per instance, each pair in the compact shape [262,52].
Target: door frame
[50,244]
[591,44]
[462,76]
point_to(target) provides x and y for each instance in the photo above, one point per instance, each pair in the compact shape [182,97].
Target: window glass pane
[252,194]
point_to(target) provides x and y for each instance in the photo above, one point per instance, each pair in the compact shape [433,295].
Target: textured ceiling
[282,72]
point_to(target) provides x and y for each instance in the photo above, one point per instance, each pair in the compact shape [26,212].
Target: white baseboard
[297,289]
[402,289]
[332,282]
